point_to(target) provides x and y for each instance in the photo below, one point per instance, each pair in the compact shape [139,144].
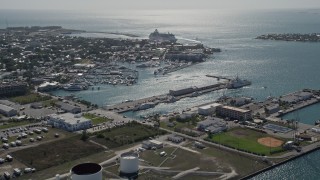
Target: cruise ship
[237,83]
[161,37]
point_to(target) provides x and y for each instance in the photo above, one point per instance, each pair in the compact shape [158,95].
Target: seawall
[279,164]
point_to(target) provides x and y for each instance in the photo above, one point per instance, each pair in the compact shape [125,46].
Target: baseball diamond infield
[270,142]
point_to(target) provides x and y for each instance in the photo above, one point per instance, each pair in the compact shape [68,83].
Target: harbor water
[274,67]
[303,168]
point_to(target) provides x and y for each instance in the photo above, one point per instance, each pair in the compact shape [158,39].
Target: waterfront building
[272,108]
[234,112]
[296,97]
[7,110]
[240,101]
[12,89]
[208,109]
[69,122]
[68,107]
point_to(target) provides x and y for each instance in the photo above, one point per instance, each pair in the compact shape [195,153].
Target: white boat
[73,87]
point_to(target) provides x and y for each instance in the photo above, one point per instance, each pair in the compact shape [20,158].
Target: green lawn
[55,153]
[243,165]
[153,158]
[30,98]
[65,167]
[126,134]
[49,102]
[95,119]
[244,139]
[190,123]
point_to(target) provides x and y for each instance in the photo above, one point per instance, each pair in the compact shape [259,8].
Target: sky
[105,5]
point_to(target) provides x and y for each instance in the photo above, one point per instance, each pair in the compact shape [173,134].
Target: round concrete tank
[86,171]
[129,163]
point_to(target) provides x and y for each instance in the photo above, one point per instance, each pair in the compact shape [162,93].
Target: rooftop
[236,109]
[5,108]
[210,106]
[70,118]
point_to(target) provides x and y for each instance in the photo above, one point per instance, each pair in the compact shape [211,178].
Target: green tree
[84,136]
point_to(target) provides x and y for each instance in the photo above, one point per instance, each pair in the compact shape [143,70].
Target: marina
[172,96]
[275,68]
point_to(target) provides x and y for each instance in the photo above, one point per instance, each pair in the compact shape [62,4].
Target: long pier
[218,77]
[131,105]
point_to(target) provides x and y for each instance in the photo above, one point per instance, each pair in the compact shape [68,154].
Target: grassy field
[190,123]
[65,167]
[95,119]
[243,165]
[14,124]
[30,98]
[55,153]
[49,102]
[244,139]
[127,134]
[178,125]
[153,158]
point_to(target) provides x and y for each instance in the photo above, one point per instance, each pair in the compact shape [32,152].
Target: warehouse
[7,111]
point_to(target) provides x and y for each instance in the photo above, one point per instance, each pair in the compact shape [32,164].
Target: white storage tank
[86,171]
[129,163]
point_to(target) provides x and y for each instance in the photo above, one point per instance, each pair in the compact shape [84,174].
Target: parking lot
[16,131]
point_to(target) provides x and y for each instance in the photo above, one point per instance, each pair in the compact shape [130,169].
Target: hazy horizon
[107,5]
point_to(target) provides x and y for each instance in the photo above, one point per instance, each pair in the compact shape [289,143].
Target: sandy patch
[270,142]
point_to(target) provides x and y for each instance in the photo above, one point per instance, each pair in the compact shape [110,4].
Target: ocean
[275,68]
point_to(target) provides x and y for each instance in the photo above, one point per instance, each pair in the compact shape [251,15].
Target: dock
[164,98]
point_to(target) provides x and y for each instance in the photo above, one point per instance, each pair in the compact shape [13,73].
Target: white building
[69,122]
[208,109]
[234,113]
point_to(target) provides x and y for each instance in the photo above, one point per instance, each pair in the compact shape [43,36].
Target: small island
[313,37]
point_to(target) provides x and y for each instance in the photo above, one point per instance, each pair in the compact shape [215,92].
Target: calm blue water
[282,67]
[303,168]
[306,115]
